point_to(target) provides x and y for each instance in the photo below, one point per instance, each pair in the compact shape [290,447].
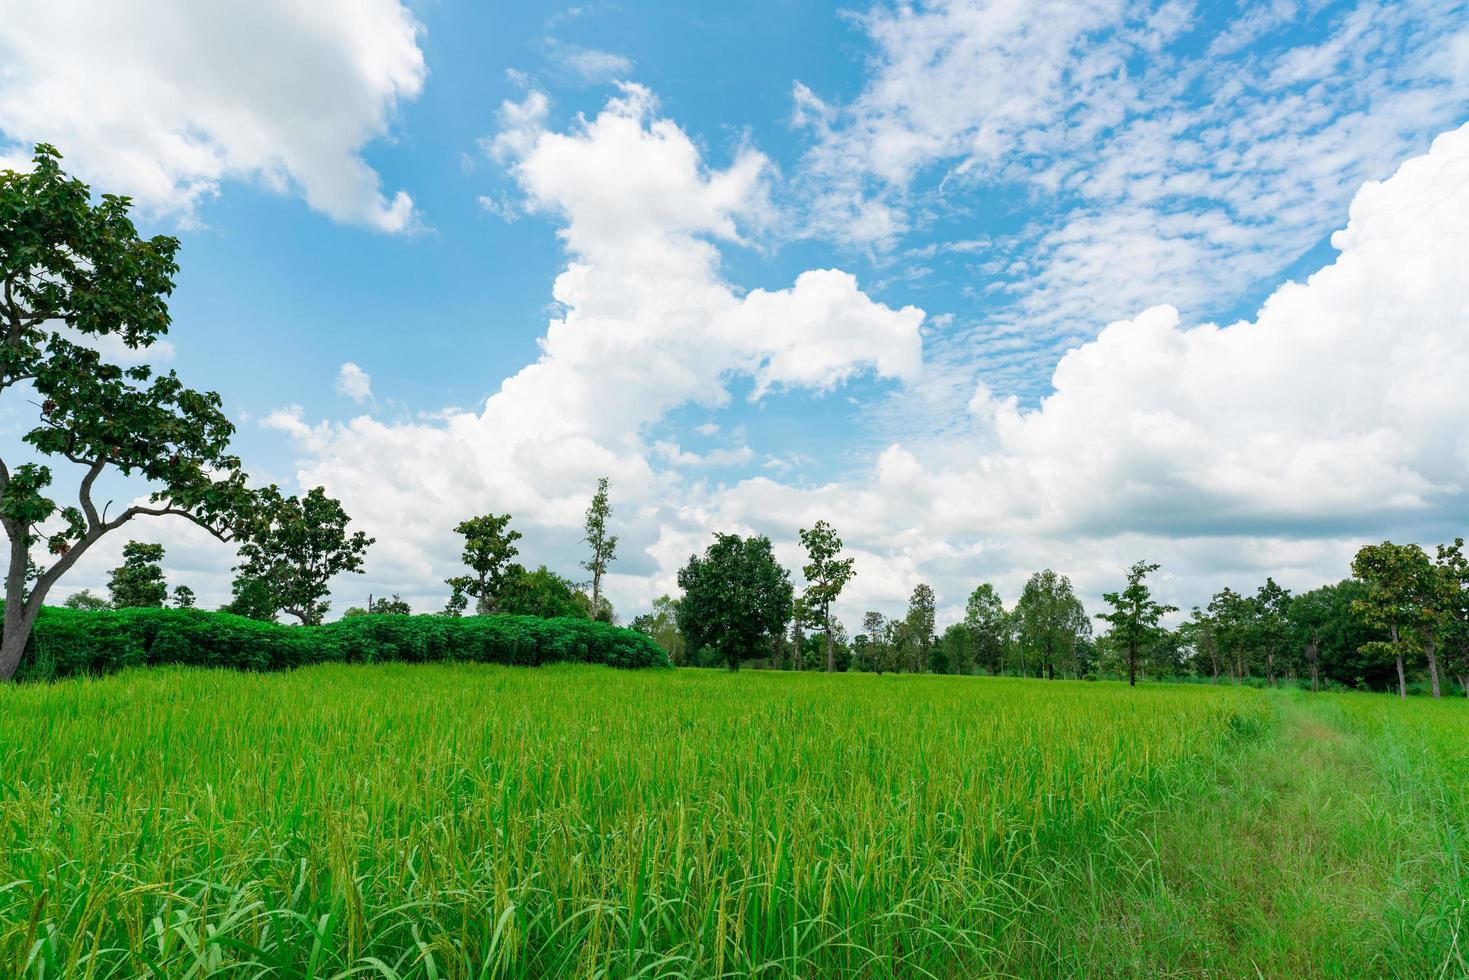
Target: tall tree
[1309,615]
[604,545]
[1400,579]
[1135,615]
[989,627]
[826,576]
[293,548]
[921,614]
[1233,616]
[1453,570]
[1050,621]
[875,628]
[736,598]
[138,581]
[183,597]
[489,553]
[1198,633]
[76,278]
[1271,625]
[1333,637]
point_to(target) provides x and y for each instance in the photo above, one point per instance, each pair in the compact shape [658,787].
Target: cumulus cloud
[354,382]
[164,100]
[645,322]
[1270,446]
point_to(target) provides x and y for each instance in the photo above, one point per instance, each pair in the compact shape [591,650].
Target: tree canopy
[1135,615]
[737,598]
[138,581]
[826,576]
[489,553]
[77,276]
[294,546]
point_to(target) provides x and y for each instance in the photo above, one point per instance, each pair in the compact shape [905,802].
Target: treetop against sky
[991,288]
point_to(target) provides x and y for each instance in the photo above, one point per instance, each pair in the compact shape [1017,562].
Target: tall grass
[477,821]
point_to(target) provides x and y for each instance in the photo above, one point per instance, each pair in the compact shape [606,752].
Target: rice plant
[482,821]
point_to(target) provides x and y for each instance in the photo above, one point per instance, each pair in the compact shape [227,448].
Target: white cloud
[164,100]
[1272,446]
[645,323]
[588,65]
[1152,169]
[354,382]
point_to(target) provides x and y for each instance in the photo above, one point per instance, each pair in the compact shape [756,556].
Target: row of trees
[1401,612]
[287,565]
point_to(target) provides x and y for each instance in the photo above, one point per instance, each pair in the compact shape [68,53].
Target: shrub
[67,641]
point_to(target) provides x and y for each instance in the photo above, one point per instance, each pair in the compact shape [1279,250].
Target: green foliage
[919,624]
[542,593]
[826,576]
[396,605]
[1049,623]
[252,598]
[294,546]
[1135,615]
[183,597]
[86,600]
[737,599]
[603,545]
[138,581]
[1402,586]
[1343,649]
[71,264]
[66,642]
[990,628]
[468,821]
[661,625]
[489,553]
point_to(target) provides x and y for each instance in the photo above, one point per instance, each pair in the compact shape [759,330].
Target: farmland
[480,820]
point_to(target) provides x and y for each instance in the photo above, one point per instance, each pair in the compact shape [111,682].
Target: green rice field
[481,821]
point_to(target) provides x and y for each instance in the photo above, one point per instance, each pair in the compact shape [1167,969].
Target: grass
[477,821]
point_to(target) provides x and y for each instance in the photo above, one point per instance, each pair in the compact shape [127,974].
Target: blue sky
[780,261]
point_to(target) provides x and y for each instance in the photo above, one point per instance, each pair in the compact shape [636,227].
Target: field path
[1316,849]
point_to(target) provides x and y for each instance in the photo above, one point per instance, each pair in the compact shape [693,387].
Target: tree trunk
[1131,665]
[1464,680]
[1402,677]
[831,660]
[1428,648]
[1313,654]
[18,618]
[1270,668]
[13,645]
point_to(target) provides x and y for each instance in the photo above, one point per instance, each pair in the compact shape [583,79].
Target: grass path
[1325,847]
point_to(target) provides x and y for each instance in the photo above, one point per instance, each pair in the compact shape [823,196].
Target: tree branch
[84,494]
[138,510]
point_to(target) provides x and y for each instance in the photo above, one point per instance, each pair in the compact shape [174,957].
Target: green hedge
[67,641]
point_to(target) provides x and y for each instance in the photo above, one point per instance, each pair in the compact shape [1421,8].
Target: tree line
[78,280]
[287,563]
[1401,613]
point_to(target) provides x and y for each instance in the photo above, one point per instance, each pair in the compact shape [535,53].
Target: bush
[66,642]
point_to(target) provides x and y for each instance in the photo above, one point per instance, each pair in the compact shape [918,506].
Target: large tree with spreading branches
[76,278]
